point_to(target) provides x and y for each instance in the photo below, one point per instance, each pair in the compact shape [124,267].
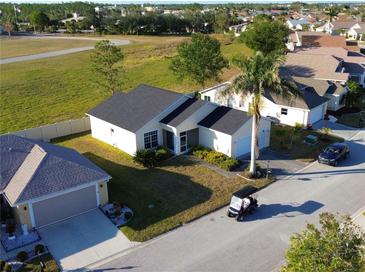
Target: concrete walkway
[340,130]
[57,52]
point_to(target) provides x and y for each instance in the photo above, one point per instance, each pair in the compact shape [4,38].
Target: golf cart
[242,202]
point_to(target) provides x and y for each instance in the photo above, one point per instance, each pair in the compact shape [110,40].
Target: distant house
[75,17]
[351,29]
[238,29]
[44,183]
[299,24]
[148,117]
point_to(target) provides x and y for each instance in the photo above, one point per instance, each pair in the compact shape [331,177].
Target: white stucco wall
[316,114]
[121,138]
[215,140]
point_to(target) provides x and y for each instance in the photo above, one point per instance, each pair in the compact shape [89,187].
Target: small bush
[7,268]
[146,157]
[127,216]
[162,154]
[39,249]
[216,158]
[22,256]
[2,265]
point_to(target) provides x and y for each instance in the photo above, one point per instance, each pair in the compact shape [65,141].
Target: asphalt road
[217,243]
[57,52]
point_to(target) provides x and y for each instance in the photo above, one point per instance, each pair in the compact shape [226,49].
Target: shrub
[127,216]
[7,268]
[22,256]
[162,153]
[146,157]
[39,249]
[2,265]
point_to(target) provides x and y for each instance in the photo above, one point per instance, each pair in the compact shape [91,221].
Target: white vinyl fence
[60,129]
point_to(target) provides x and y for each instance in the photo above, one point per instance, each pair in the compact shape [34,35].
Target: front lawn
[50,264]
[162,198]
[283,140]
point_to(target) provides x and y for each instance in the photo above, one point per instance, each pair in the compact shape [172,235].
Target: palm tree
[258,73]
[332,12]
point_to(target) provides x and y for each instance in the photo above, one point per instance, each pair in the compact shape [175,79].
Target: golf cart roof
[246,191]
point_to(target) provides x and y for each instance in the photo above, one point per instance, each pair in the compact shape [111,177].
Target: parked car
[334,153]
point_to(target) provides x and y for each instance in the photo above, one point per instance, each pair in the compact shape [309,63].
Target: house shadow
[265,211]
[153,194]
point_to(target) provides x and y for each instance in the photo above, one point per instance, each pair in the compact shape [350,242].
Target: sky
[177,1]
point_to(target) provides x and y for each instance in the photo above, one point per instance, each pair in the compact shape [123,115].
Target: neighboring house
[45,183]
[238,29]
[148,117]
[299,24]
[75,17]
[307,108]
[351,29]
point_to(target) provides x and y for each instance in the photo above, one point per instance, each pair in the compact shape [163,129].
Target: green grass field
[16,46]
[49,90]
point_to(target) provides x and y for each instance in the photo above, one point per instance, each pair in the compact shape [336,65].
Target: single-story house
[148,117]
[238,29]
[45,183]
[352,30]
[298,24]
[304,109]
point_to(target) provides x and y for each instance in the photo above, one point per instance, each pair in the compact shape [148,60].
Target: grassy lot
[16,46]
[34,265]
[283,140]
[49,90]
[353,119]
[179,190]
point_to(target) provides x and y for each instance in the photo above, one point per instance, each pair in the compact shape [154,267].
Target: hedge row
[216,158]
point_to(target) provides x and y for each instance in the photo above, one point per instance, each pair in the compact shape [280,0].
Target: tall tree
[8,24]
[266,35]
[200,60]
[332,12]
[106,60]
[39,20]
[258,74]
[337,246]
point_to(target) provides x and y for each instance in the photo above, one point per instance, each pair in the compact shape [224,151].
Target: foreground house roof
[225,119]
[31,169]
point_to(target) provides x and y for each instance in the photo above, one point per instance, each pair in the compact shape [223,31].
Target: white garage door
[66,205]
[316,114]
[242,146]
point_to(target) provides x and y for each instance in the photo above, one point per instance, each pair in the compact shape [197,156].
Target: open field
[26,46]
[179,190]
[45,91]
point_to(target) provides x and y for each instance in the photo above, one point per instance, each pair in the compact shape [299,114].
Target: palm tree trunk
[253,146]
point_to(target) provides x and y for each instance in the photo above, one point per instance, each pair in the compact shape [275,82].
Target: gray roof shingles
[131,111]
[225,119]
[184,111]
[61,168]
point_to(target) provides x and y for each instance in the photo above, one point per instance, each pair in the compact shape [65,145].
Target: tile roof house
[45,183]
[147,117]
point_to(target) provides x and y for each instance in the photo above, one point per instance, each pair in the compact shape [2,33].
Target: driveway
[337,129]
[218,243]
[83,240]
[58,52]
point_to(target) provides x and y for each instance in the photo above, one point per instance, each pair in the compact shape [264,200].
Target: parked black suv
[332,154]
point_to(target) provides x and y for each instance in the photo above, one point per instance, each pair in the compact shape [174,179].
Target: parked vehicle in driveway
[242,202]
[334,153]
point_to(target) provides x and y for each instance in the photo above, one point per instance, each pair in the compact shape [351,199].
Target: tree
[332,12]
[258,74]
[200,60]
[221,21]
[266,35]
[71,26]
[353,94]
[106,62]
[337,246]
[39,20]
[8,26]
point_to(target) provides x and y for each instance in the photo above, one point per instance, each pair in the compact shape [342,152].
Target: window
[284,111]
[207,98]
[150,139]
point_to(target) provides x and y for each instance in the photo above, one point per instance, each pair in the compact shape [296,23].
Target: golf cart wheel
[229,214]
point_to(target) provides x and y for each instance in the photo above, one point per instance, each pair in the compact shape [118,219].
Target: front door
[168,139]
[183,141]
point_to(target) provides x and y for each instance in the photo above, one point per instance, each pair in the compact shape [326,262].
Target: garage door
[242,146]
[64,206]
[316,114]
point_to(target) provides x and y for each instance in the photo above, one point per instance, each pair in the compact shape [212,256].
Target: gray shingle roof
[32,169]
[184,111]
[133,110]
[225,119]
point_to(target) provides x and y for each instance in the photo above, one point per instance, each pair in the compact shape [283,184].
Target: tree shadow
[153,194]
[283,210]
